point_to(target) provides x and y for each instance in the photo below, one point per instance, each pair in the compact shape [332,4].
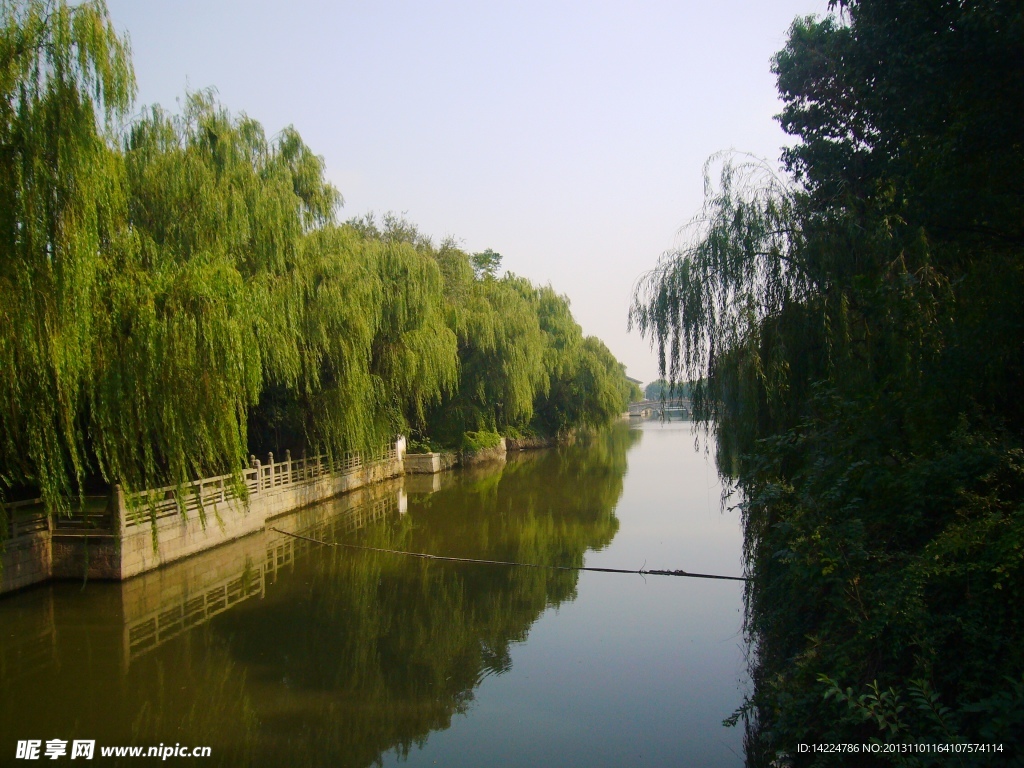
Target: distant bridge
[658,409]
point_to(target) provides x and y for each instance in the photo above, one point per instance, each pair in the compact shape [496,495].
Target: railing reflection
[161,605]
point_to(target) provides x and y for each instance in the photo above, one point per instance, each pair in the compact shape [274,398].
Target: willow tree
[524,363]
[501,363]
[414,353]
[321,335]
[176,362]
[602,385]
[854,335]
[563,338]
[376,349]
[710,308]
[178,293]
[584,386]
[489,323]
[66,80]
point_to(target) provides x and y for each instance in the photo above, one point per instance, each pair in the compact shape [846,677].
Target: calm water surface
[274,651]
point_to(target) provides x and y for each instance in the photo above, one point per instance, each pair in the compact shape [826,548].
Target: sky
[568,136]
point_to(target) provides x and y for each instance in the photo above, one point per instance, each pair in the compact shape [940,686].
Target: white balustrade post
[259,474]
[117,509]
[270,463]
[288,463]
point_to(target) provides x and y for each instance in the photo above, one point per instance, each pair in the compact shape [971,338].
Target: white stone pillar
[118,510]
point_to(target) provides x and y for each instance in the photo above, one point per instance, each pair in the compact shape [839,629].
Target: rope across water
[425,556]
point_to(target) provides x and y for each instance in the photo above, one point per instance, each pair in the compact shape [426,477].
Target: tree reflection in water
[365,652]
[348,654]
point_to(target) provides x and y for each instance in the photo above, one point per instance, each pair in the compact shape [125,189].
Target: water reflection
[277,652]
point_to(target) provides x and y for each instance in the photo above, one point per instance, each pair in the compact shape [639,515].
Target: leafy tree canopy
[177,292]
[486,263]
[65,80]
[854,334]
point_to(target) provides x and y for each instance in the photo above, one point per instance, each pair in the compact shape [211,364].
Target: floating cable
[424,556]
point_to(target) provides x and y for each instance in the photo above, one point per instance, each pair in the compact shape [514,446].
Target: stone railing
[28,518]
[200,496]
[122,535]
[25,518]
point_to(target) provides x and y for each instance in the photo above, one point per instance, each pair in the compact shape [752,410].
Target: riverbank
[142,532]
[127,536]
[440,461]
[535,443]
[119,537]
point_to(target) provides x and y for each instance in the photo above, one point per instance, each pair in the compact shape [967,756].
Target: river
[274,651]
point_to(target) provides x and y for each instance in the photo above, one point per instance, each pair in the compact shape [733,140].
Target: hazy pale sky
[569,137]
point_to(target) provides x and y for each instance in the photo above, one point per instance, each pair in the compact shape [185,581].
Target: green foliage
[480,441]
[657,390]
[212,214]
[854,335]
[523,361]
[486,263]
[65,80]
[424,445]
[662,390]
[586,386]
[177,294]
[917,715]
[635,393]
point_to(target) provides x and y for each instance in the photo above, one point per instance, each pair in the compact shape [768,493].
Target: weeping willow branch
[179,294]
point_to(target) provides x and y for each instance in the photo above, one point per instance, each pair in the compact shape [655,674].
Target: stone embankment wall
[484,456]
[530,443]
[432,463]
[429,463]
[136,534]
[120,537]
[26,560]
